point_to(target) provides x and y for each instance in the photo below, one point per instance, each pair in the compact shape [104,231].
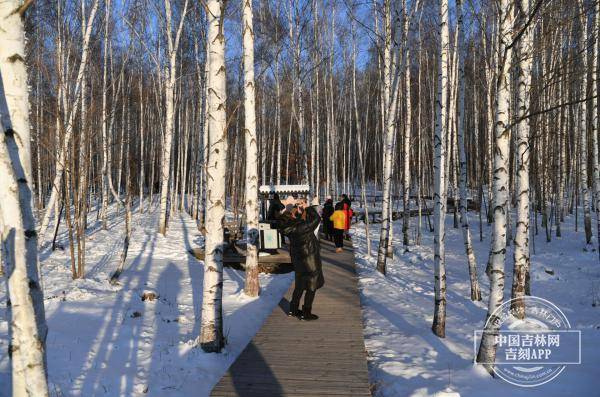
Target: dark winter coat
[327,212]
[275,207]
[347,201]
[305,249]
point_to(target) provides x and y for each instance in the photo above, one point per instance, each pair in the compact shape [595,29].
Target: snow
[407,359]
[104,340]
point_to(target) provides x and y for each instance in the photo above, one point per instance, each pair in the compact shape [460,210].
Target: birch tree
[595,115]
[463,204]
[361,160]
[521,250]
[19,237]
[407,130]
[105,148]
[172,48]
[390,95]
[252,286]
[439,141]
[211,337]
[583,124]
[66,140]
[500,187]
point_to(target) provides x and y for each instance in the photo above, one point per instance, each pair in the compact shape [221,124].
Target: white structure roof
[266,189]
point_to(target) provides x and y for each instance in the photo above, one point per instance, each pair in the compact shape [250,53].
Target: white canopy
[289,189]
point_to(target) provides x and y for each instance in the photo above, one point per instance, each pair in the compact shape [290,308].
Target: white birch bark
[172,45]
[316,136]
[359,133]
[463,204]
[390,88]
[19,237]
[62,155]
[587,218]
[441,130]
[211,337]
[142,154]
[487,348]
[521,250]
[105,148]
[595,126]
[332,146]
[252,287]
[407,131]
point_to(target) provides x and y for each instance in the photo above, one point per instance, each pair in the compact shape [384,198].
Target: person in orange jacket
[339,225]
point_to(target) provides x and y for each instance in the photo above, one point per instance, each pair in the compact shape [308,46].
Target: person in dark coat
[327,223]
[299,226]
[346,200]
[275,207]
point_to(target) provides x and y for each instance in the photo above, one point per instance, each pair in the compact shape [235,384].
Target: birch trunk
[19,238]
[105,147]
[142,154]
[252,287]
[390,97]
[463,204]
[211,337]
[441,130]
[407,134]
[173,45]
[360,142]
[595,126]
[521,242]
[60,159]
[487,349]
[587,219]
[127,234]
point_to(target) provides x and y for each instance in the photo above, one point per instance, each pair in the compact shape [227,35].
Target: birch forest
[465,133]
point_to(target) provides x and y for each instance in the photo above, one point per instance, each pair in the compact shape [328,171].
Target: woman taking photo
[299,225]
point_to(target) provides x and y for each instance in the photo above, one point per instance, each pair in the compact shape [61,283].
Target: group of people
[298,222]
[337,220]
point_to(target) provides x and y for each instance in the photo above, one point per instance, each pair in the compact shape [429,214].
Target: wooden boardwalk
[288,357]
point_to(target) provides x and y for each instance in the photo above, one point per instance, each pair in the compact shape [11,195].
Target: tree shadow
[165,328]
[120,338]
[257,379]
[196,271]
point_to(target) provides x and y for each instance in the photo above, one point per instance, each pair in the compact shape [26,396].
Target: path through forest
[308,358]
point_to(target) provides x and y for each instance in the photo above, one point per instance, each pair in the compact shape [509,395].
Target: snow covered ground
[407,359]
[104,340]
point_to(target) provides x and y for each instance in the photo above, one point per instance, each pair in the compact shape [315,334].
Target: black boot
[294,312]
[307,315]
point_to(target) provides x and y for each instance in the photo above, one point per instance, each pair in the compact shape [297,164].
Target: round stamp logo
[535,349]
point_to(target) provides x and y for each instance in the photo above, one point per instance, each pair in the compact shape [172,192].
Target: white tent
[289,189]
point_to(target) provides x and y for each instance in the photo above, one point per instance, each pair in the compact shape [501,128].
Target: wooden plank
[288,357]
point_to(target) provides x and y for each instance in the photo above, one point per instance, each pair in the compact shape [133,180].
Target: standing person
[347,208]
[346,200]
[327,224]
[275,207]
[339,224]
[299,225]
[274,211]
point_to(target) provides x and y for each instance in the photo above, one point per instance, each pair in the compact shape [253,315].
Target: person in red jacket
[347,208]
